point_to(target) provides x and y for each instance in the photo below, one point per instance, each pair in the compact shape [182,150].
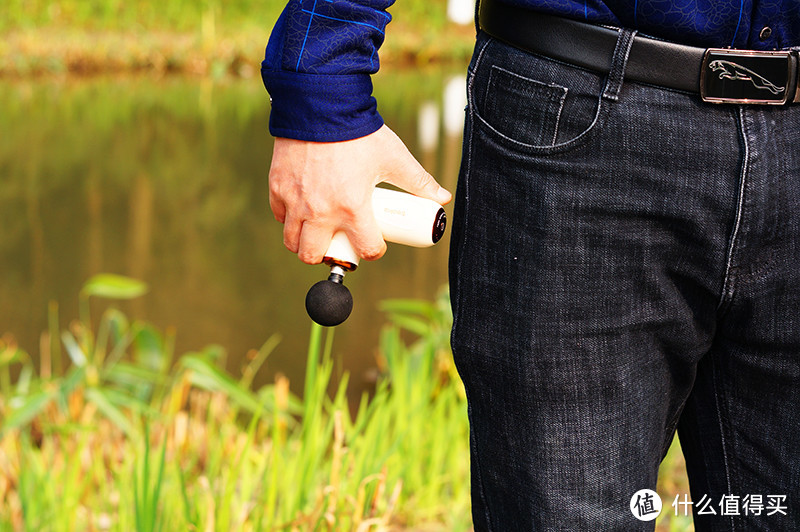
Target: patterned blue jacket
[321,53]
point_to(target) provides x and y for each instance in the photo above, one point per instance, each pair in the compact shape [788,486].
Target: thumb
[407,174]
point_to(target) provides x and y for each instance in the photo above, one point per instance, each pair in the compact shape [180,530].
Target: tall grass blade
[55,345]
[189,511]
[206,376]
[99,398]
[159,482]
[24,409]
[255,364]
[74,350]
[147,490]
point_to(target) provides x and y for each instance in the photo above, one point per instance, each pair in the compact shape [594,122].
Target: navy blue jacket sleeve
[317,69]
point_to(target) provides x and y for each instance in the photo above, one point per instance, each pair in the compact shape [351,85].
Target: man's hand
[318,188]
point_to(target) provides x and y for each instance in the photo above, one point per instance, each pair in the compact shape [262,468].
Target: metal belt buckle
[747,77]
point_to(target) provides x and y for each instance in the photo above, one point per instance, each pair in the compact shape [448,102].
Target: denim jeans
[625,262]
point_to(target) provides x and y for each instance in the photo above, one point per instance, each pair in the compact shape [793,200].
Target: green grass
[131,437]
[128,436]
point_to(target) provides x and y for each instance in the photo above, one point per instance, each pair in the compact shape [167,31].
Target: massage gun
[403,219]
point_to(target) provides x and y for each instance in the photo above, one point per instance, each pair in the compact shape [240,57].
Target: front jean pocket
[532,103]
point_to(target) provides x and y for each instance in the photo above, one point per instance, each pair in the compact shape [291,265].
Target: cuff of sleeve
[321,108]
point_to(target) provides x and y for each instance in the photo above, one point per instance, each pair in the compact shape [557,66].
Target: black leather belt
[718,75]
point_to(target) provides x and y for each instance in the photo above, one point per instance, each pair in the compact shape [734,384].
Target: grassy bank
[198,37]
[113,432]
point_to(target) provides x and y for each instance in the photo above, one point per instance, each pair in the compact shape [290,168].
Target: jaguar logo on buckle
[746,77]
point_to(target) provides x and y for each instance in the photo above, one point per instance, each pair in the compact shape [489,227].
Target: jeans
[625,262]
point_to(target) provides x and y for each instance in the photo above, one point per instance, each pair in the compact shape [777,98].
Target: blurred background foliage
[197,37]
[175,15]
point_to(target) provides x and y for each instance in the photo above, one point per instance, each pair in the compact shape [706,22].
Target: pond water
[165,180]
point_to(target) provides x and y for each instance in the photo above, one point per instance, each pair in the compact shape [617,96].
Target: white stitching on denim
[609,92]
[462,244]
[556,147]
[722,440]
[616,76]
[727,280]
[467,162]
[726,296]
[564,92]
[558,116]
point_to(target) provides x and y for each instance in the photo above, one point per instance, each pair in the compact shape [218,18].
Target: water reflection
[166,181]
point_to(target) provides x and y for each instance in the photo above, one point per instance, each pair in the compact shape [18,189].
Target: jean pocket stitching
[480,50]
[597,121]
[552,94]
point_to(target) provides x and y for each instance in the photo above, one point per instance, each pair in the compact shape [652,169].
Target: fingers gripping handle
[402,218]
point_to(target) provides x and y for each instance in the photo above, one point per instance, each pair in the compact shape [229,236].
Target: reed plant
[127,436]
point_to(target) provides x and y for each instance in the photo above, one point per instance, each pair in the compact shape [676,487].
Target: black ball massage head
[329,302]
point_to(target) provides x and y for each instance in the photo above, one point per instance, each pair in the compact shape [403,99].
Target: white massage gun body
[402,218]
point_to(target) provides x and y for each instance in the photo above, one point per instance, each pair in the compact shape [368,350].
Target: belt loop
[618,63]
